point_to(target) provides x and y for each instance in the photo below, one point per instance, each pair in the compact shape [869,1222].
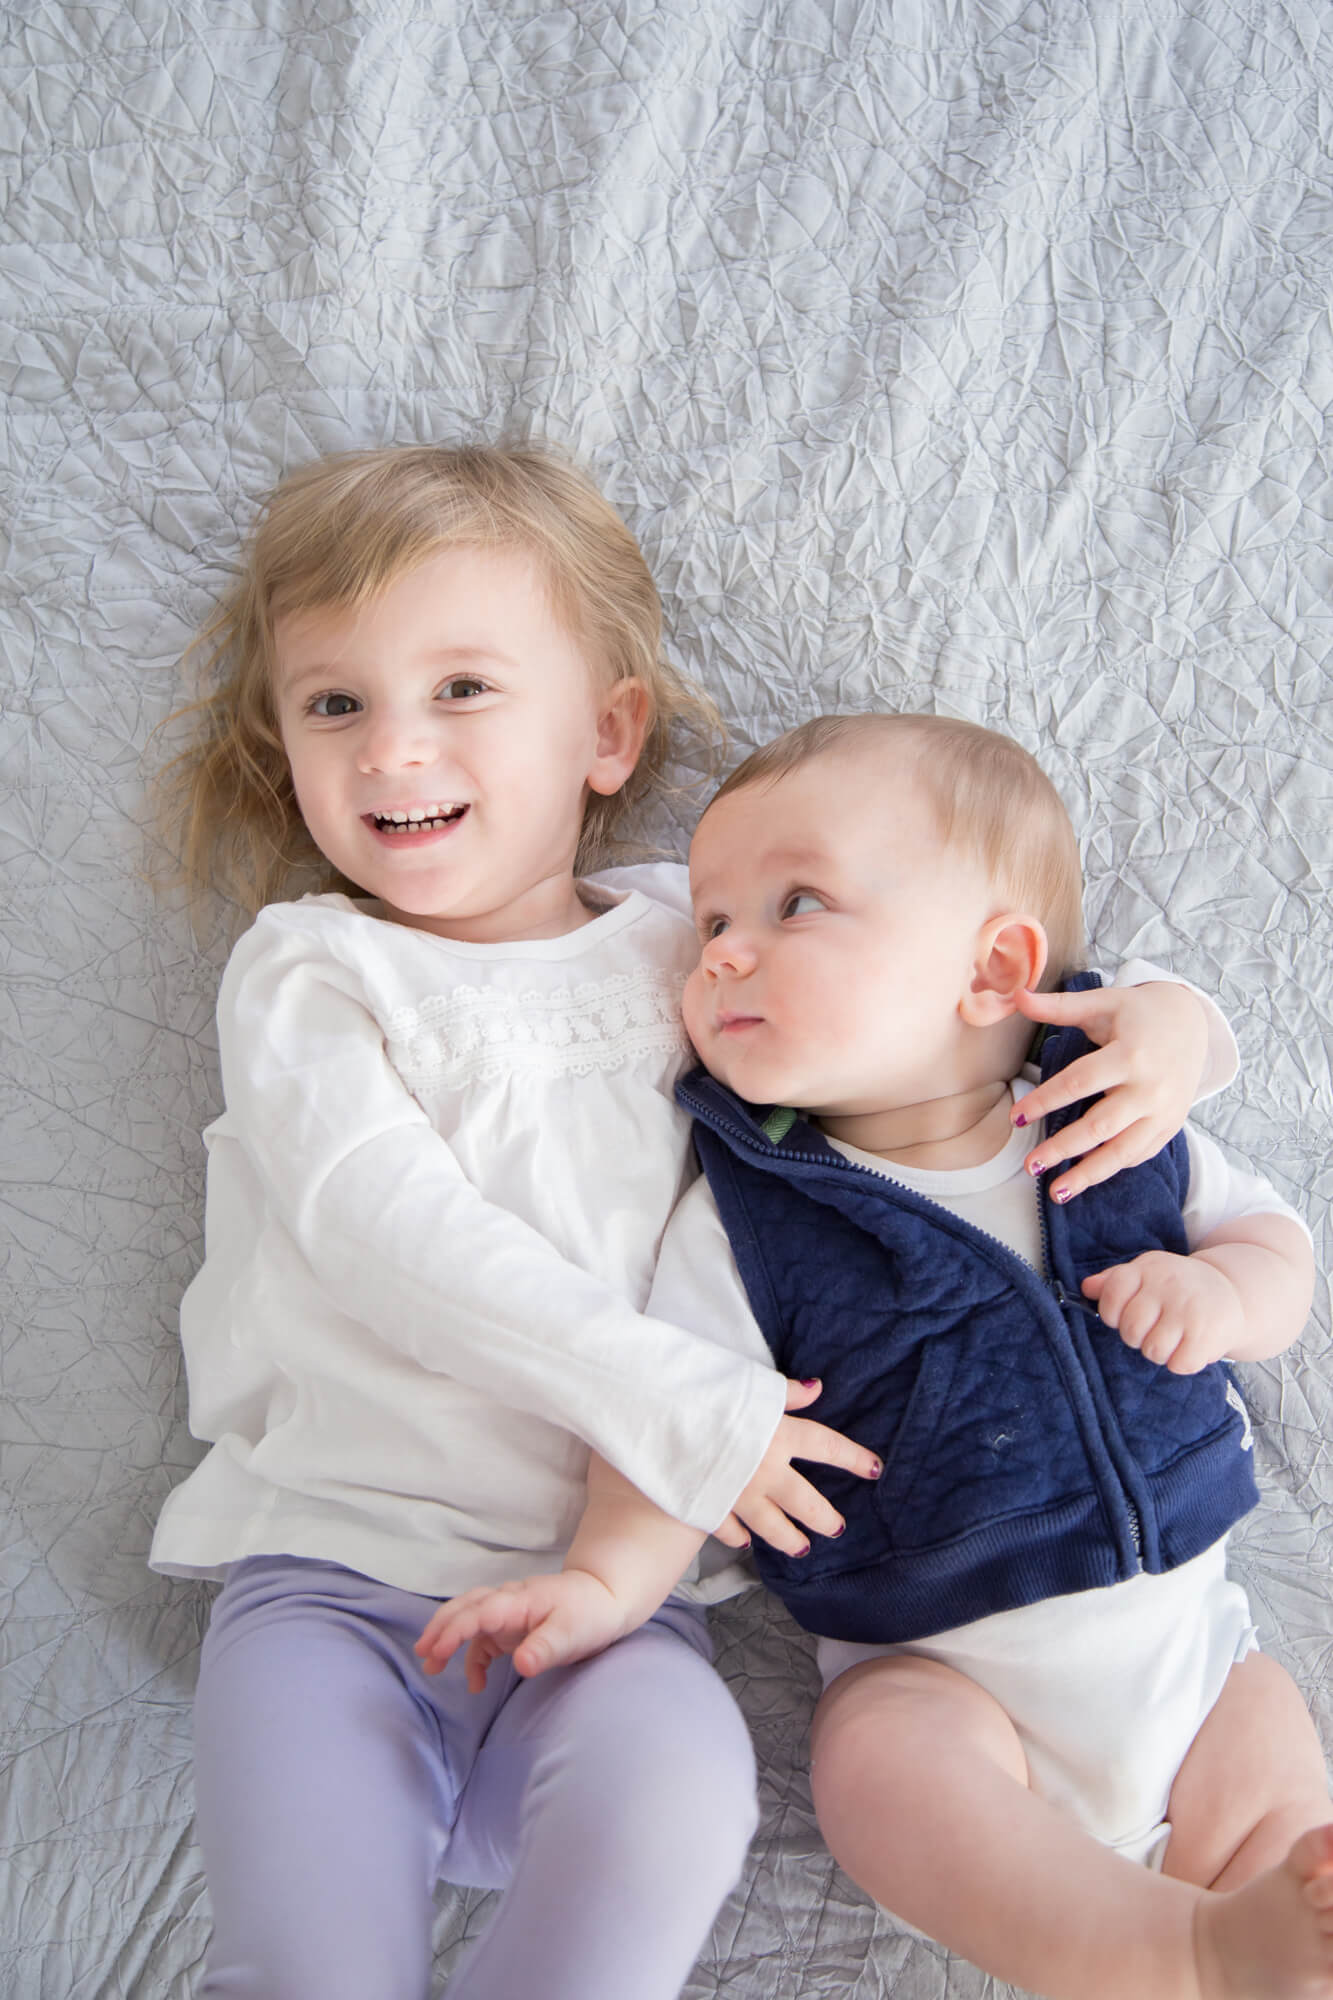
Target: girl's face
[442,741]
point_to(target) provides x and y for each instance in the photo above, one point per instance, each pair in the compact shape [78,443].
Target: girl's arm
[397,1238]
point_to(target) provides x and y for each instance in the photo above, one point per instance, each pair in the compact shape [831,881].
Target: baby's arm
[622,1564]
[627,1555]
[1163,1046]
[1242,1293]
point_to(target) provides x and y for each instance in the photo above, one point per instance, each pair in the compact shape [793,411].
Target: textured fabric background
[970,354]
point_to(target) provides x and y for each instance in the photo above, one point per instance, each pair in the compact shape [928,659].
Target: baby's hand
[1181,1312]
[1154,1042]
[544,1621]
[778,1498]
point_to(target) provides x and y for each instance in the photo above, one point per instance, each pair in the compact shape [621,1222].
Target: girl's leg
[921,1789]
[617,1800]
[324,1802]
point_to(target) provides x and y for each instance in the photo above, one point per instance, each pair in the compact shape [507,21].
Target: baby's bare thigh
[906,1704]
[1252,1780]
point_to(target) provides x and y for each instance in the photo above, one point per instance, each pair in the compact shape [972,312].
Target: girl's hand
[544,1621]
[778,1499]
[1181,1312]
[1154,1042]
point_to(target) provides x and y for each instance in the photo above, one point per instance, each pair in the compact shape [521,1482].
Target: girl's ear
[622,725]
[1010,959]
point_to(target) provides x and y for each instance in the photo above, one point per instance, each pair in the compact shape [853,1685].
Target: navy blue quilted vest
[1028,1453]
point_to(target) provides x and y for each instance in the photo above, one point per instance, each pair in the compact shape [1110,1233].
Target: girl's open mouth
[414,823]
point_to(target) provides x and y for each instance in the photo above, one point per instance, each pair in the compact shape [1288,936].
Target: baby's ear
[1010,959]
[622,724]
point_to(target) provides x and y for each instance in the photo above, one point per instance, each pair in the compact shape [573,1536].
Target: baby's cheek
[692,1008]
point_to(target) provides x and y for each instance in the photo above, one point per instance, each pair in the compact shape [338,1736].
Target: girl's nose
[393,743]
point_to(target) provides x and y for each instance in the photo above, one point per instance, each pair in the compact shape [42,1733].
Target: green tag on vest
[778,1123]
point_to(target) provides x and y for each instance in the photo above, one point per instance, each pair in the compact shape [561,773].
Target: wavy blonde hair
[336,534]
[991,798]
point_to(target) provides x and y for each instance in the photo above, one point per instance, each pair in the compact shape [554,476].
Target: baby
[1037,1671]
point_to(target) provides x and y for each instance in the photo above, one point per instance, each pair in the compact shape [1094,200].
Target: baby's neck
[943,1133]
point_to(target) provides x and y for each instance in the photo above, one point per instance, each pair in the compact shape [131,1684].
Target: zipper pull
[1064,1298]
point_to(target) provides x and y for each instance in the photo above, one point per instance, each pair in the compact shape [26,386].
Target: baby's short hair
[992,799]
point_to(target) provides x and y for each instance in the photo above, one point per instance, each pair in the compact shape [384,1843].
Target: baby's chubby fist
[1180,1312]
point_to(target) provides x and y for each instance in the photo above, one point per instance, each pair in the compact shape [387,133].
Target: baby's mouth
[417,819]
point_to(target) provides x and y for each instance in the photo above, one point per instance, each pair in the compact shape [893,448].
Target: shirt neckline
[936,1181]
[620,913]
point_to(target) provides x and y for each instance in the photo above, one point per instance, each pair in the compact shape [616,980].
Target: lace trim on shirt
[476,1033]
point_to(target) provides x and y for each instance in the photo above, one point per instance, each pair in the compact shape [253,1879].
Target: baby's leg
[1251,1785]
[920,1785]
[1252,1781]
[617,1798]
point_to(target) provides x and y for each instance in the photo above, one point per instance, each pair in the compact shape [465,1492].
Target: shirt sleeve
[1222,1063]
[397,1237]
[697,1283]
[1220,1191]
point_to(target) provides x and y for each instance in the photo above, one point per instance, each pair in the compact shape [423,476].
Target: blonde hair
[992,799]
[336,534]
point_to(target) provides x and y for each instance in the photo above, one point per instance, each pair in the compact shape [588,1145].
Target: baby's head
[340,537]
[871,892]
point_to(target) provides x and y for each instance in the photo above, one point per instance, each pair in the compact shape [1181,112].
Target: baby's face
[837,936]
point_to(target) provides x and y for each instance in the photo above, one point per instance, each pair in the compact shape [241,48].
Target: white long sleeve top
[435,1201]
[434,1204]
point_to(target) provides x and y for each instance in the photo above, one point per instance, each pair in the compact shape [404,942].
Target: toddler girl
[435,1198]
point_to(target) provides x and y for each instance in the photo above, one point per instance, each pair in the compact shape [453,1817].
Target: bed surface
[973,356]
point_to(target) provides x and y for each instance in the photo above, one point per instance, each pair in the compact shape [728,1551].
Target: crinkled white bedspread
[971,354]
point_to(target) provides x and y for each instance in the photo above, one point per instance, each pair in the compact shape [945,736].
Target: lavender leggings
[613,1801]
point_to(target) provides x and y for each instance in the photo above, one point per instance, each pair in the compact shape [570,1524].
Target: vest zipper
[1059,1296]
[1065,1300]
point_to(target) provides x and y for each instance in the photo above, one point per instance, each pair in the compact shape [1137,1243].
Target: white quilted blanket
[972,354]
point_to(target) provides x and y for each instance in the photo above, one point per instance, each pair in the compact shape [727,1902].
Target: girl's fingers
[823,1446]
[1091,1076]
[1061,1008]
[732,1533]
[807,1507]
[1126,1149]
[767,1523]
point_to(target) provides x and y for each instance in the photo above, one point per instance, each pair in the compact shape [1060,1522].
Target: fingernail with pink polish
[1062,1195]
[1019,1119]
[1036,1168]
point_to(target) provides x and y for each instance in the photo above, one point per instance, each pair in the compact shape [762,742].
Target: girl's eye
[463,688]
[334,705]
[799,904]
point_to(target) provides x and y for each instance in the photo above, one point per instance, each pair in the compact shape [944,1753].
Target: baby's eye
[334,705]
[462,688]
[713,927]
[799,904]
